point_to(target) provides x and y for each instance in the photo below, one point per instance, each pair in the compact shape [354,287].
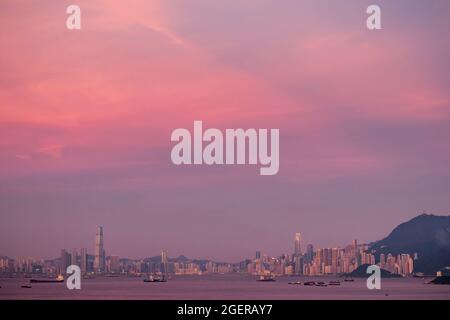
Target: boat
[26,286]
[334,283]
[321,284]
[45,281]
[155,279]
[266,279]
[309,283]
[349,280]
[295,283]
[59,279]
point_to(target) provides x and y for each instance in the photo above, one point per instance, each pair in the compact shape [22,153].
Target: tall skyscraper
[65,261]
[334,260]
[310,252]
[74,257]
[83,260]
[258,255]
[298,265]
[164,262]
[298,244]
[99,262]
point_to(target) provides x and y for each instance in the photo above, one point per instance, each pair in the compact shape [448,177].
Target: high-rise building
[258,255]
[74,257]
[310,252]
[164,262]
[99,262]
[355,248]
[298,244]
[298,264]
[382,260]
[334,260]
[65,261]
[83,260]
[114,264]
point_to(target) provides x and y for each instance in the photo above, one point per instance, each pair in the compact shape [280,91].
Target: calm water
[231,286]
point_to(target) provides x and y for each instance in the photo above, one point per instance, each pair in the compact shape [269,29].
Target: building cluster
[311,262]
[328,261]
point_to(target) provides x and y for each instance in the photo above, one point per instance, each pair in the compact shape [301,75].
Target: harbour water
[226,287]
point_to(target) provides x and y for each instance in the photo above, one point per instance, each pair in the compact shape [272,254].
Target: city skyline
[97,248]
[300,247]
[314,262]
[100,255]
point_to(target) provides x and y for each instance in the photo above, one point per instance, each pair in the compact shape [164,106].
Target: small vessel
[151,278]
[266,279]
[25,286]
[45,281]
[295,283]
[349,280]
[309,283]
[334,283]
[58,279]
[321,284]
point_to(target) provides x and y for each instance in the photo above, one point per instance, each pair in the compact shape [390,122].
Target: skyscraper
[309,252]
[298,265]
[65,261]
[355,245]
[114,264]
[83,260]
[297,244]
[99,262]
[164,262]
[74,257]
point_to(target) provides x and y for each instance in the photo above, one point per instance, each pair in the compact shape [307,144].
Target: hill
[427,235]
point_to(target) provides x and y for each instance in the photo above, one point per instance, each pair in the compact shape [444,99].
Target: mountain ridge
[426,235]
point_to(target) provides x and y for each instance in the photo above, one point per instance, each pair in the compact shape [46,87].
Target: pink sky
[86,117]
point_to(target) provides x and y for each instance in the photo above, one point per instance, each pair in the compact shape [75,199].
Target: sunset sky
[86,117]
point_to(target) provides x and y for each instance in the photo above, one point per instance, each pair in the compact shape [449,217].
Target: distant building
[99,262]
[298,244]
[74,257]
[83,260]
[298,264]
[382,260]
[164,262]
[309,252]
[114,264]
[65,261]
